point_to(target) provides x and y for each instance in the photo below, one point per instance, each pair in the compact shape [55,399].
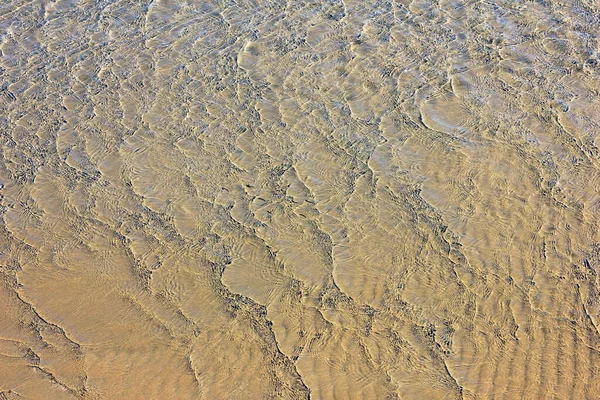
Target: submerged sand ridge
[293,200]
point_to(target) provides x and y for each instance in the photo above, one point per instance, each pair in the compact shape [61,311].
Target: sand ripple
[293,200]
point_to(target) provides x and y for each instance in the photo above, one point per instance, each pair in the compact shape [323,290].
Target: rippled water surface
[238,199]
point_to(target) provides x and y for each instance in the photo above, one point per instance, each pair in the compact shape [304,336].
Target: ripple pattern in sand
[289,200]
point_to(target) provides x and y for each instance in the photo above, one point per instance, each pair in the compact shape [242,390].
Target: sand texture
[257,199]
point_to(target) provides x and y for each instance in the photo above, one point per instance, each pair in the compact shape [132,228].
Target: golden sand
[239,199]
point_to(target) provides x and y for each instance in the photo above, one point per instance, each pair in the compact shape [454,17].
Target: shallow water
[290,200]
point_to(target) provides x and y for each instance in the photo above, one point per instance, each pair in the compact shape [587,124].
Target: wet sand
[291,200]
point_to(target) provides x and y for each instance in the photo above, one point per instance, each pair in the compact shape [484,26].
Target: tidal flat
[336,200]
